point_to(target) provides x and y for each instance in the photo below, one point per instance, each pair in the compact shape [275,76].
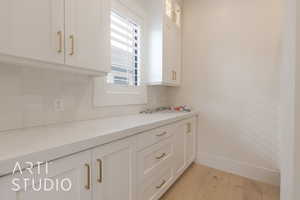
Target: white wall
[27,98]
[296,141]
[290,104]
[231,75]
[297,114]
[287,101]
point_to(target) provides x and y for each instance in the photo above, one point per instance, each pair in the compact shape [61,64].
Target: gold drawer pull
[162,156]
[88,174]
[189,128]
[100,170]
[162,134]
[60,42]
[72,45]
[174,75]
[161,185]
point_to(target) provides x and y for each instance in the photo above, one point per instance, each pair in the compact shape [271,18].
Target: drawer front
[154,136]
[153,189]
[155,157]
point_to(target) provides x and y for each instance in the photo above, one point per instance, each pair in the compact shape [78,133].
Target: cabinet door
[33,29]
[88,34]
[169,47]
[177,54]
[190,139]
[172,46]
[75,168]
[179,149]
[114,171]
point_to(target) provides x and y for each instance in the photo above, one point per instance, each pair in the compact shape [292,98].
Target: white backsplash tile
[11,81]
[34,110]
[27,98]
[33,82]
[11,115]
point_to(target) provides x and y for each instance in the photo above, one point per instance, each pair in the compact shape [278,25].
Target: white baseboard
[242,169]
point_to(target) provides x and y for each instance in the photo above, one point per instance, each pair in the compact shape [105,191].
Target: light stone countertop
[55,141]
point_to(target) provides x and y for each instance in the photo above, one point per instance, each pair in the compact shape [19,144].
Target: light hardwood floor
[203,183]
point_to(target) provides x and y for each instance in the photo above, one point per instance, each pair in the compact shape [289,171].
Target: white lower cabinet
[185,143]
[114,171]
[163,162]
[141,167]
[190,140]
[151,159]
[74,169]
[179,151]
[154,187]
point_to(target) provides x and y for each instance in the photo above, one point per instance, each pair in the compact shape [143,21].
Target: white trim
[164,83]
[240,168]
[132,6]
[114,95]
[28,62]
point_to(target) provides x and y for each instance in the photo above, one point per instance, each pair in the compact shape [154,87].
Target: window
[125,55]
[124,84]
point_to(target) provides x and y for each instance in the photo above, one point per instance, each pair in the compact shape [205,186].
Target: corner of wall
[242,169]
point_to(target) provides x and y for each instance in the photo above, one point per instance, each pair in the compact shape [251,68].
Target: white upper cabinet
[88,34]
[164,42]
[62,34]
[32,29]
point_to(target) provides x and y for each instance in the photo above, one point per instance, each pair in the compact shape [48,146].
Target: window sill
[114,95]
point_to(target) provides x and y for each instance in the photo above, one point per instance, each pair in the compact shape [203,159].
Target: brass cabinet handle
[162,184]
[174,75]
[162,134]
[60,41]
[99,161]
[162,156]
[88,174]
[189,128]
[174,15]
[72,45]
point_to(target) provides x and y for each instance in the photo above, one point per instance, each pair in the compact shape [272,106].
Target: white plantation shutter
[125,44]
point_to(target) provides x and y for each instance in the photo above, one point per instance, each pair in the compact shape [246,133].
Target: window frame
[107,94]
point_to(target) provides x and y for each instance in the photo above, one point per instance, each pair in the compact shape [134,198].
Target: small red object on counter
[177,108]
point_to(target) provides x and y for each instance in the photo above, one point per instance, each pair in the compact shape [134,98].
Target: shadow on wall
[230,74]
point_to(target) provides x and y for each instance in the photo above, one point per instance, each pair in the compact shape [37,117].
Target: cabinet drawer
[153,189]
[154,136]
[155,157]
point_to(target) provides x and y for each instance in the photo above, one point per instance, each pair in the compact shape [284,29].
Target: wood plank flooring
[203,183]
